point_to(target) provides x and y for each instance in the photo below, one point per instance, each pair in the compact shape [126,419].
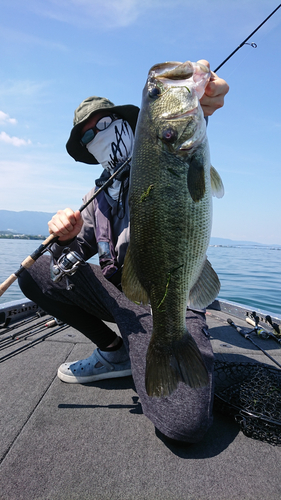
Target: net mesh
[251,393]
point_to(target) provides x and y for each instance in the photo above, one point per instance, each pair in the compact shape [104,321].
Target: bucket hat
[86,110]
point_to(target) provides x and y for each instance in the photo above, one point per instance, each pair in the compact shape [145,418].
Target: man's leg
[111,358]
[68,312]
[186,414]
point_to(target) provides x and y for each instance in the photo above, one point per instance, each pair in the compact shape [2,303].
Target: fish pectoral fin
[216,183]
[131,285]
[206,288]
[196,178]
[167,365]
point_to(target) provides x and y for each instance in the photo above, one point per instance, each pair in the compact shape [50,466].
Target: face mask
[112,145]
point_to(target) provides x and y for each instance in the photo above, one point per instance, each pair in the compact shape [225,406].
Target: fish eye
[154,92]
[169,135]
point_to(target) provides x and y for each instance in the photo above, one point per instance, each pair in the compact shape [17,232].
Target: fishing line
[245,55]
[29,261]
[246,39]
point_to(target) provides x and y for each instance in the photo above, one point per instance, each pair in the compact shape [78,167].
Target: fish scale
[170,222]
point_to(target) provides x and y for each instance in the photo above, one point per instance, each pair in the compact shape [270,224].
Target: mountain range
[25,222]
[36,223]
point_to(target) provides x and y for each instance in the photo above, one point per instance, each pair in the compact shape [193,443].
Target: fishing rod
[247,336]
[30,260]
[34,342]
[246,39]
[22,335]
[260,330]
[8,329]
[28,332]
[275,326]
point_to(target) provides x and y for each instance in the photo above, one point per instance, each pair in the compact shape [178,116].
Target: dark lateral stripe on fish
[196,179]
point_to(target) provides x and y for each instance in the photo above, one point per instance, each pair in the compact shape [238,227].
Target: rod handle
[5,285]
[28,262]
[250,321]
[49,240]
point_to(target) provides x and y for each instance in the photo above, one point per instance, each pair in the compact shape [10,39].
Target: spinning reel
[66,265]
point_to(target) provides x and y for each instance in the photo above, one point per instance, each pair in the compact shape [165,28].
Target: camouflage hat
[86,110]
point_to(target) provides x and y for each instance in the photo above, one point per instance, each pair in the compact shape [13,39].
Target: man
[104,134]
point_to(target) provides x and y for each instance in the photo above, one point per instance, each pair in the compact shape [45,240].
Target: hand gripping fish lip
[192,76]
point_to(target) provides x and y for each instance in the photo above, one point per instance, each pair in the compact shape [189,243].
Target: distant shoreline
[232,244]
[22,237]
[33,225]
[13,234]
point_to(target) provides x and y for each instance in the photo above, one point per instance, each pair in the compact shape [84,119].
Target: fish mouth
[173,70]
[193,76]
[172,73]
[186,82]
[180,116]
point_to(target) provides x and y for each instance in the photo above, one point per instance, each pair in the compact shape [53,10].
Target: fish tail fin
[167,365]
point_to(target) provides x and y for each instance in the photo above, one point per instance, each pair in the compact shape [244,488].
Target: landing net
[251,393]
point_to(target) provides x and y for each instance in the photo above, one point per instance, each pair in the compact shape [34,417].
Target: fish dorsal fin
[206,288]
[131,286]
[196,178]
[216,183]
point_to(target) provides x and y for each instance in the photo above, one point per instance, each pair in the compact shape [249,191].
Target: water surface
[249,275]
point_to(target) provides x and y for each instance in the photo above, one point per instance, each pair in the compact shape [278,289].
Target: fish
[170,198]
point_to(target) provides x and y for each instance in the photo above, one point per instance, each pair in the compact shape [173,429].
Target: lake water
[249,275]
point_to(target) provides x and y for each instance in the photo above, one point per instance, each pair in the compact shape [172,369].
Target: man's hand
[215,91]
[66,224]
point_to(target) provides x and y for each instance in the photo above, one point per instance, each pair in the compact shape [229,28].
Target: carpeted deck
[91,442]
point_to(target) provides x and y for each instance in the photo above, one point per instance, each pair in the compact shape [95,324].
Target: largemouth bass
[170,197]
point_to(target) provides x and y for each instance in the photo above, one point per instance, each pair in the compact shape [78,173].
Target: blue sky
[55,53]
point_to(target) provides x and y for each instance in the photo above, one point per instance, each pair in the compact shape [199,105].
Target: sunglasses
[101,125]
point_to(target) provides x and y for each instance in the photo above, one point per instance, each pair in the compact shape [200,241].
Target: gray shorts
[186,414]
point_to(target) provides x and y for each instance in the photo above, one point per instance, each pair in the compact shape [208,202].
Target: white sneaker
[96,367]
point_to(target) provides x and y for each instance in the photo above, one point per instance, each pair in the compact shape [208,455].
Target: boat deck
[68,442]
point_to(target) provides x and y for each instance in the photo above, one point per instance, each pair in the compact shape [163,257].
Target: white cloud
[15,141]
[4,118]
[110,14]
[98,13]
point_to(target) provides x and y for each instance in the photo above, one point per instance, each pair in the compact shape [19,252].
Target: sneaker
[96,367]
